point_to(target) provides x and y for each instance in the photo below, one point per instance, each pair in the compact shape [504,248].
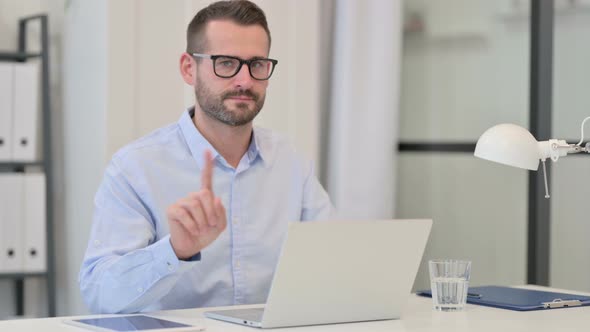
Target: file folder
[520,299]
[11,230]
[6,98]
[34,248]
[26,113]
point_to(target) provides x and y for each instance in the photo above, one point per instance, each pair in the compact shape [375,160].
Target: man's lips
[241,98]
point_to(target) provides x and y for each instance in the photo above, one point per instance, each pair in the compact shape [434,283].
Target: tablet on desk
[131,323]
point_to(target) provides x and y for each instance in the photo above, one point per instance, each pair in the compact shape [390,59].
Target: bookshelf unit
[22,54]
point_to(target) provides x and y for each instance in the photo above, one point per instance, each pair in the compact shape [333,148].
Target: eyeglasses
[226,66]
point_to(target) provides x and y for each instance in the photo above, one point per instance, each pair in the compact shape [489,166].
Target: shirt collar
[197,144]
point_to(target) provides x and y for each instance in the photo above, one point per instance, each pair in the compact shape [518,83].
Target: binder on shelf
[6,100]
[11,230]
[34,248]
[25,139]
[520,299]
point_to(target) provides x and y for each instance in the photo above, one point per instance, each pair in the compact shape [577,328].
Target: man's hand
[196,220]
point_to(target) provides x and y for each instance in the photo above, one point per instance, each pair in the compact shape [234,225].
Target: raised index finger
[207,173]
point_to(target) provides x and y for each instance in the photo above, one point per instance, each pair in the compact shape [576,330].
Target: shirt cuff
[195,258]
[166,260]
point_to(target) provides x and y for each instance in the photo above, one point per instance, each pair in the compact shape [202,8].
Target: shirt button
[140,289]
[235,220]
[170,267]
[96,243]
[237,264]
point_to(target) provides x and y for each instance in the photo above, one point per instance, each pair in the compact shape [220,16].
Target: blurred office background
[387,96]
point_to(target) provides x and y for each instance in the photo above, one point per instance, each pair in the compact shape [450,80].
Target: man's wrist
[195,258]
[186,257]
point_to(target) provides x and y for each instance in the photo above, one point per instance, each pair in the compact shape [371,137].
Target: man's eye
[227,63]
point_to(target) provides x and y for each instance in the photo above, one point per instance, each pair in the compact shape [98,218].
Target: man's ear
[188,68]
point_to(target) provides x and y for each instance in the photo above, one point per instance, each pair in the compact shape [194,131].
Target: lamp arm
[559,148]
[545,178]
[573,148]
[555,148]
[582,130]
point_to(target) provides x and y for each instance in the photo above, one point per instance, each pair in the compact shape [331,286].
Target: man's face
[237,100]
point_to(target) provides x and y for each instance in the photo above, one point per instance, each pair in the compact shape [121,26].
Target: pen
[474,295]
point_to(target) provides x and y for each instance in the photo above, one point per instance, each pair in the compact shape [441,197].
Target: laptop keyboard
[254,314]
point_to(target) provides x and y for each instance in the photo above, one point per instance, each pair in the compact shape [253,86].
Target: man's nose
[243,78]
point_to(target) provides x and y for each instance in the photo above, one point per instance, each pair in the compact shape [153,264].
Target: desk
[418,316]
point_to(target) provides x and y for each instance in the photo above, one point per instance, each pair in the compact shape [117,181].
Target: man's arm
[316,202]
[124,270]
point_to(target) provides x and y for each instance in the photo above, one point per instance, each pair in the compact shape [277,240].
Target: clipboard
[520,299]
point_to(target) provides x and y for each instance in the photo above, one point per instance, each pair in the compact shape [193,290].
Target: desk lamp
[513,145]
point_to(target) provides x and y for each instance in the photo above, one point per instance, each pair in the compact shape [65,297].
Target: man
[194,214]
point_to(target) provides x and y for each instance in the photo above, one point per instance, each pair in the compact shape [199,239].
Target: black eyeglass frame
[242,62]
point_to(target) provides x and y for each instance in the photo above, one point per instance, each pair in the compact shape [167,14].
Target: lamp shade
[509,144]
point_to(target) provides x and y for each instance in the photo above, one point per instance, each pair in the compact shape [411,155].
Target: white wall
[364,101]
[86,81]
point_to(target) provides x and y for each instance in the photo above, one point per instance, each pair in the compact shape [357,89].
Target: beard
[213,105]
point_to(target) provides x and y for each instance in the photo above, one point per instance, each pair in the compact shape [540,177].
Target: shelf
[20,57]
[8,167]
[20,164]
[22,275]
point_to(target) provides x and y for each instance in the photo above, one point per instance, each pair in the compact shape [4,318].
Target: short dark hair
[242,12]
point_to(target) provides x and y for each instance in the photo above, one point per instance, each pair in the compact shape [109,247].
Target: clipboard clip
[559,303]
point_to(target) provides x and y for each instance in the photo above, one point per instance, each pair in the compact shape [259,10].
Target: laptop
[339,271]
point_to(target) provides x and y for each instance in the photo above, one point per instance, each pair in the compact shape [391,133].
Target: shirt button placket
[237,244]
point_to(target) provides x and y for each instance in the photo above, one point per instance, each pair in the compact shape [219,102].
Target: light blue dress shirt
[130,266]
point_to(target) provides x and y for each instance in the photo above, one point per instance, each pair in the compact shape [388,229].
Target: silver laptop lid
[338,271]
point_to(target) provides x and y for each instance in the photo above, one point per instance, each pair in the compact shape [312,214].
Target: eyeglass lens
[228,67]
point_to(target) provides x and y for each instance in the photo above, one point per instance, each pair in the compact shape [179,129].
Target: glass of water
[449,281]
